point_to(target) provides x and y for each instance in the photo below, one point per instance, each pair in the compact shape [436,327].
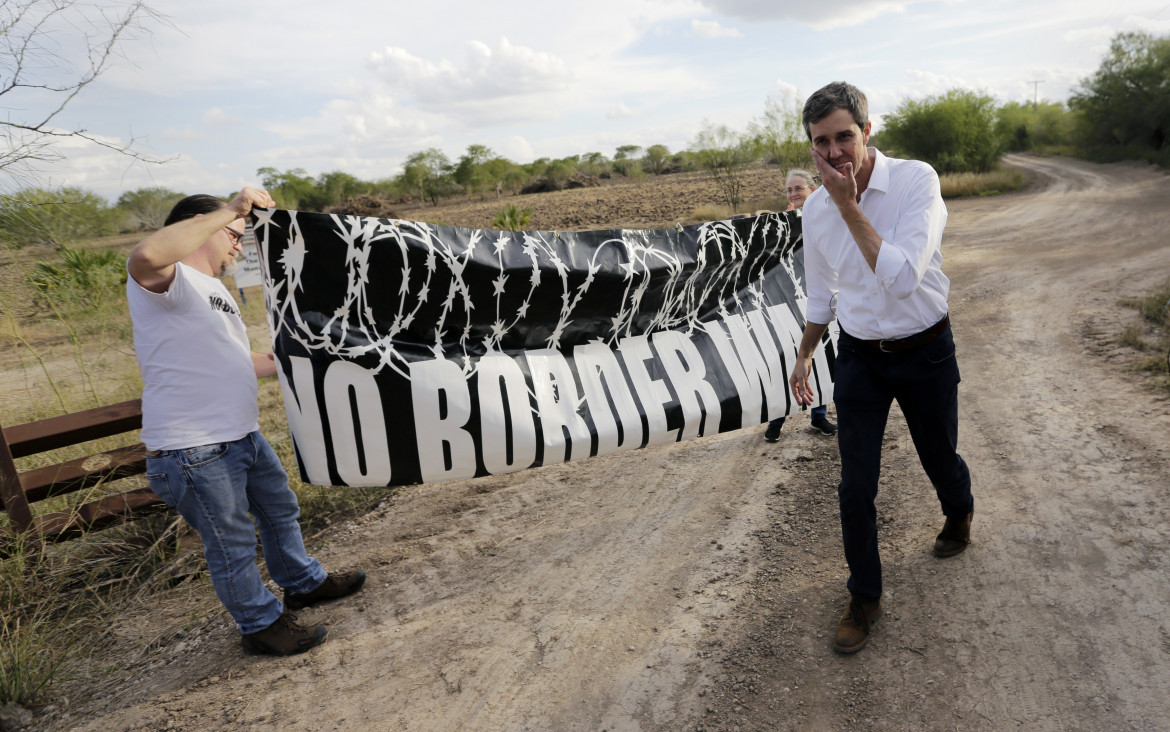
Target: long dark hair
[192,206]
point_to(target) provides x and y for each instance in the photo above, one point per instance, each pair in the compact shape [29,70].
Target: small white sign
[248,265]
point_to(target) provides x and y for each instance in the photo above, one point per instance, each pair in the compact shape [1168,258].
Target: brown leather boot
[954,537]
[853,631]
[336,584]
[285,637]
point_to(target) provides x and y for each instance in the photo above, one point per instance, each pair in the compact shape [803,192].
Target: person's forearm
[172,243]
[813,332]
[264,364]
[868,240]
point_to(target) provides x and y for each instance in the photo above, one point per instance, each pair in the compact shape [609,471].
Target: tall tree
[50,51]
[779,133]
[656,159]
[290,188]
[1127,100]
[146,209]
[430,174]
[1027,125]
[723,152]
[473,172]
[625,159]
[334,187]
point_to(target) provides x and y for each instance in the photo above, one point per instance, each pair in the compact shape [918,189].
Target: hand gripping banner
[409,352]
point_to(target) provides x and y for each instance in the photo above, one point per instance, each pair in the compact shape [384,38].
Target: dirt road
[696,586]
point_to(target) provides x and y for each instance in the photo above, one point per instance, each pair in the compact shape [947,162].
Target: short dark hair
[831,97]
[192,206]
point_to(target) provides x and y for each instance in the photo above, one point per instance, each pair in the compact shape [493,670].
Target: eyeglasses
[794,189]
[235,235]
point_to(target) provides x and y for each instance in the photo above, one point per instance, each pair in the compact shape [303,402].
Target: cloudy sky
[226,88]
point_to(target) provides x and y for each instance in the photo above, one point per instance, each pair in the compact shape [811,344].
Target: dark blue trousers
[924,380]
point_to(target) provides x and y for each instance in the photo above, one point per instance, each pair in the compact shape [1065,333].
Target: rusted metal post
[12,492]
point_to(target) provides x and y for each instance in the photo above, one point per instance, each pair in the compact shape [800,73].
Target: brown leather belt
[887,345]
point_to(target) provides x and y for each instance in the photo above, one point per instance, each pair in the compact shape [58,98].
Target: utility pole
[1035,92]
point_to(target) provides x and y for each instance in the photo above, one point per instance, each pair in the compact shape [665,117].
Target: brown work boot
[285,637]
[853,631]
[954,537]
[336,584]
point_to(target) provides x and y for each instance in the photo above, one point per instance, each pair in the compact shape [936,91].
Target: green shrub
[146,209]
[1023,126]
[512,218]
[656,159]
[1126,102]
[53,218]
[82,279]
[954,131]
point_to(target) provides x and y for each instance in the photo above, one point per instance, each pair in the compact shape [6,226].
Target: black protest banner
[409,352]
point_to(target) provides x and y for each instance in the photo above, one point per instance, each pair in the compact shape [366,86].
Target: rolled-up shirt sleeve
[903,258]
[821,283]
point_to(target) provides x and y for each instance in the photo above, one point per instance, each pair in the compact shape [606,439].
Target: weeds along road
[696,586]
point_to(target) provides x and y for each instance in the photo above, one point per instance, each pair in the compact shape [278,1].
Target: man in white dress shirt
[873,258]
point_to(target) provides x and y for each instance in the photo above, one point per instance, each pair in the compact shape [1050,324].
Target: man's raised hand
[244,201]
[841,184]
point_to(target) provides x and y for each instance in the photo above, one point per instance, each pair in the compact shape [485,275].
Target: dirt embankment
[695,586]
[652,202]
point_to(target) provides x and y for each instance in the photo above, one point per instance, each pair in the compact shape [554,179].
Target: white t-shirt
[199,382]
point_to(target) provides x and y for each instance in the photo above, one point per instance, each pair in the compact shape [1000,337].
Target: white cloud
[109,173]
[921,83]
[818,15]
[186,134]
[784,92]
[517,148]
[216,117]
[620,111]
[1154,25]
[712,29]
[485,73]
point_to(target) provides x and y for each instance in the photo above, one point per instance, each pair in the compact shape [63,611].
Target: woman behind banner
[798,185]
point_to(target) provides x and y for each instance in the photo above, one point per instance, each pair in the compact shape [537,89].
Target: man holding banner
[872,238]
[205,455]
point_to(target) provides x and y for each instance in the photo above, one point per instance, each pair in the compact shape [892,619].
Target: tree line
[1121,111]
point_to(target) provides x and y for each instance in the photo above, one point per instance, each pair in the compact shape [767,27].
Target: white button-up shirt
[908,291]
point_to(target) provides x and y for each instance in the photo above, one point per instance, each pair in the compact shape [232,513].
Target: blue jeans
[215,487]
[925,382]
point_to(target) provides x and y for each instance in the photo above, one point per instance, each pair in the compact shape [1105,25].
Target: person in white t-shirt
[200,424]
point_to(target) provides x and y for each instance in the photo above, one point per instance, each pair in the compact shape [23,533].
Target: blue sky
[226,88]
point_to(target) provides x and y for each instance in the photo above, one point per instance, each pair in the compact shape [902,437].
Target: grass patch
[771,203]
[710,212]
[1132,336]
[1152,333]
[719,212]
[57,601]
[962,185]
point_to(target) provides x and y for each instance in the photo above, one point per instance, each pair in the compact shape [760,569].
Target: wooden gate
[18,490]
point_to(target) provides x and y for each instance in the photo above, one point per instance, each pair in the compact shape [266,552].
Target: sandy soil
[695,587]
